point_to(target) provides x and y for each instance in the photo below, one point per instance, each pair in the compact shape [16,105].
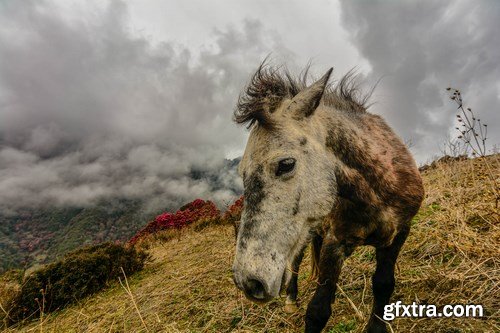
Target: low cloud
[91,111]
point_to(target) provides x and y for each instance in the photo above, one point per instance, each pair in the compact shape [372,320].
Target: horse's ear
[305,102]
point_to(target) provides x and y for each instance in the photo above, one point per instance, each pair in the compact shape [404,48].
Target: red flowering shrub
[233,213]
[198,213]
[194,205]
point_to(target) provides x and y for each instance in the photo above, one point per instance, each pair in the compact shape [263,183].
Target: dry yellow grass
[451,256]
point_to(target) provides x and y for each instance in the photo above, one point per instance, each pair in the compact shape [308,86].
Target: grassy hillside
[451,256]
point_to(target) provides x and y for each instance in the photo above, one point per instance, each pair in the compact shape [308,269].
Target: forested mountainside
[38,236]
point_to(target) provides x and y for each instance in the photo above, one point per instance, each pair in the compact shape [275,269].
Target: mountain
[225,178]
[37,236]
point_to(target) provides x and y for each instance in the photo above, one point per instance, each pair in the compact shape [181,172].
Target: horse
[319,168]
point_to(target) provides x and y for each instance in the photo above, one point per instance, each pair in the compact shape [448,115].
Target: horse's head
[289,184]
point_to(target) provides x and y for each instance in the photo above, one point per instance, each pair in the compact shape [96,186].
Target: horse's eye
[285,166]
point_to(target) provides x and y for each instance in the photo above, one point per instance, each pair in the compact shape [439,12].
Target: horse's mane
[270,85]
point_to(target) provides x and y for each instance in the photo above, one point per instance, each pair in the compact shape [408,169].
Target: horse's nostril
[255,289]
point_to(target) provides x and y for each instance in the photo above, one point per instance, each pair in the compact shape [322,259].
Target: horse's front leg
[384,282]
[319,309]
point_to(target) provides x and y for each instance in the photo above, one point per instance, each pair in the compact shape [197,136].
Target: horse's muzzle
[255,289]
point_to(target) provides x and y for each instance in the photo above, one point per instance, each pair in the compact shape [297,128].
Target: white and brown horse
[318,168]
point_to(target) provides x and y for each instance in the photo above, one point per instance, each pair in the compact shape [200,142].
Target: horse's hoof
[291,308]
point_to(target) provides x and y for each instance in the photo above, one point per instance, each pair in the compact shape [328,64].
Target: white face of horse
[289,188]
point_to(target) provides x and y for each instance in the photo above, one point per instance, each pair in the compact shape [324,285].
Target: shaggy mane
[270,85]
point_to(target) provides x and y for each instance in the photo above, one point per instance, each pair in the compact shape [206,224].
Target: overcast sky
[107,98]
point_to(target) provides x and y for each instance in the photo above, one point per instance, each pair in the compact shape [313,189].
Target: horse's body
[318,167]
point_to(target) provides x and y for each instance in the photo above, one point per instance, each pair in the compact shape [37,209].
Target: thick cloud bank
[419,49]
[90,110]
[92,107]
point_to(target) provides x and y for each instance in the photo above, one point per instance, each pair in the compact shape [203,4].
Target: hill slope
[451,256]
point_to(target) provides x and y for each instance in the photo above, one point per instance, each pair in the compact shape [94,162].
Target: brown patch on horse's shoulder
[357,202]
[377,181]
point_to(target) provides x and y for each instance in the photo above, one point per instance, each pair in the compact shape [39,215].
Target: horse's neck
[343,126]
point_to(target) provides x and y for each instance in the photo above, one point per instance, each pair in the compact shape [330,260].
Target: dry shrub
[10,284]
[77,275]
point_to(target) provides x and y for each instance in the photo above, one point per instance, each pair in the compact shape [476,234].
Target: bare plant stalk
[472,128]
[358,313]
[41,307]
[132,298]
[472,132]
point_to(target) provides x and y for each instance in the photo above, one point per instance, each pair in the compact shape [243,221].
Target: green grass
[348,326]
